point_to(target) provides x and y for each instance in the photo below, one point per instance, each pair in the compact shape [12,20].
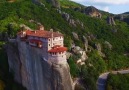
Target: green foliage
[21,11]
[90,72]
[68,3]
[74,69]
[118,82]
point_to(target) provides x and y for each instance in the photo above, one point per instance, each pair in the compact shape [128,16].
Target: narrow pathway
[101,82]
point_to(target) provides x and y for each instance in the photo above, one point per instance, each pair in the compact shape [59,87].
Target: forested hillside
[97,30]
[115,82]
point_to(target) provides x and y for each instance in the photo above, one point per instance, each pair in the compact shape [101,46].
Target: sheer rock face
[55,3]
[110,21]
[85,43]
[34,73]
[14,61]
[93,12]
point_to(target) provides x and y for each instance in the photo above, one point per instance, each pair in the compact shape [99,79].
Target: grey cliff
[35,73]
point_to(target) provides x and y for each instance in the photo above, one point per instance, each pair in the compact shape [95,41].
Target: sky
[112,6]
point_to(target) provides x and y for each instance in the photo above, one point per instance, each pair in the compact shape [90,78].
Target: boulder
[92,11]
[99,48]
[66,16]
[76,50]
[78,22]
[84,56]
[90,36]
[72,22]
[108,45]
[75,35]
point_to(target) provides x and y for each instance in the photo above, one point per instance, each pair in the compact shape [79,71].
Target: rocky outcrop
[85,43]
[66,16]
[55,3]
[36,1]
[108,45]
[110,20]
[75,35]
[72,21]
[77,9]
[91,36]
[99,49]
[81,53]
[92,11]
[35,73]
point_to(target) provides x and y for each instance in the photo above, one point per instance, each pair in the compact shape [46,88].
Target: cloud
[106,9]
[108,2]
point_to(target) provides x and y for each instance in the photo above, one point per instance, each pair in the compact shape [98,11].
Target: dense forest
[118,82]
[12,15]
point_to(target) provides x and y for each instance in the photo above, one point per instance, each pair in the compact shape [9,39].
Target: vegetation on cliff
[12,15]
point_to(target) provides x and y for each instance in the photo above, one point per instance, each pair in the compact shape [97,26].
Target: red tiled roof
[42,33]
[58,49]
[35,41]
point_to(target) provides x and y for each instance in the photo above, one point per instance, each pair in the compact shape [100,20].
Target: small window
[53,38]
[49,44]
[62,56]
[49,39]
